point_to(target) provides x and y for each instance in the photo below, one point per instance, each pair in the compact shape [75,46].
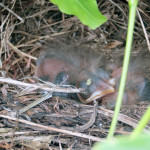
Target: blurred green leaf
[86,10]
[141,142]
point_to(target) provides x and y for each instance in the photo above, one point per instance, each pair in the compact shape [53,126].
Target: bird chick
[137,84]
[78,66]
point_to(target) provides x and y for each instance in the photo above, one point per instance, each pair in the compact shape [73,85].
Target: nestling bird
[82,67]
[77,66]
[137,84]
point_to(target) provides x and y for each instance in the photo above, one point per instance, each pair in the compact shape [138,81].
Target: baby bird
[82,67]
[77,66]
[137,84]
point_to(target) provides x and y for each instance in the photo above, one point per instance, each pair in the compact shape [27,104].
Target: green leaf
[125,143]
[86,10]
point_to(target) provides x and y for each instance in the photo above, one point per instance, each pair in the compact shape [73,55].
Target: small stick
[40,86]
[49,128]
[38,101]
[2,5]
[19,52]
[92,119]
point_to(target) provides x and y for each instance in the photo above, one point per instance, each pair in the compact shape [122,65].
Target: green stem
[132,14]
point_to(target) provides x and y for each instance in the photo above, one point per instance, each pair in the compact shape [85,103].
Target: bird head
[97,85]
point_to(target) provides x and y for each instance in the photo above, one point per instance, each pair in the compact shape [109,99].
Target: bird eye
[61,78]
[83,84]
[103,74]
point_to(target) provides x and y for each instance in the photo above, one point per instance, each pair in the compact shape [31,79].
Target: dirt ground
[25,27]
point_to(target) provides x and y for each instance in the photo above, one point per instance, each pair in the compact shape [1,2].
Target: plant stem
[132,14]
[143,122]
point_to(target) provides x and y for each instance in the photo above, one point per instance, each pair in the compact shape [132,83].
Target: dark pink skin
[51,67]
[78,72]
[137,89]
[57,66]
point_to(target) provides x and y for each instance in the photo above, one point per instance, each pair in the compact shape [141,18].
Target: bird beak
[102,89]
[99,94]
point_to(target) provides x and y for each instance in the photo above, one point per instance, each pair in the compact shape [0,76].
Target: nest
[25,28]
